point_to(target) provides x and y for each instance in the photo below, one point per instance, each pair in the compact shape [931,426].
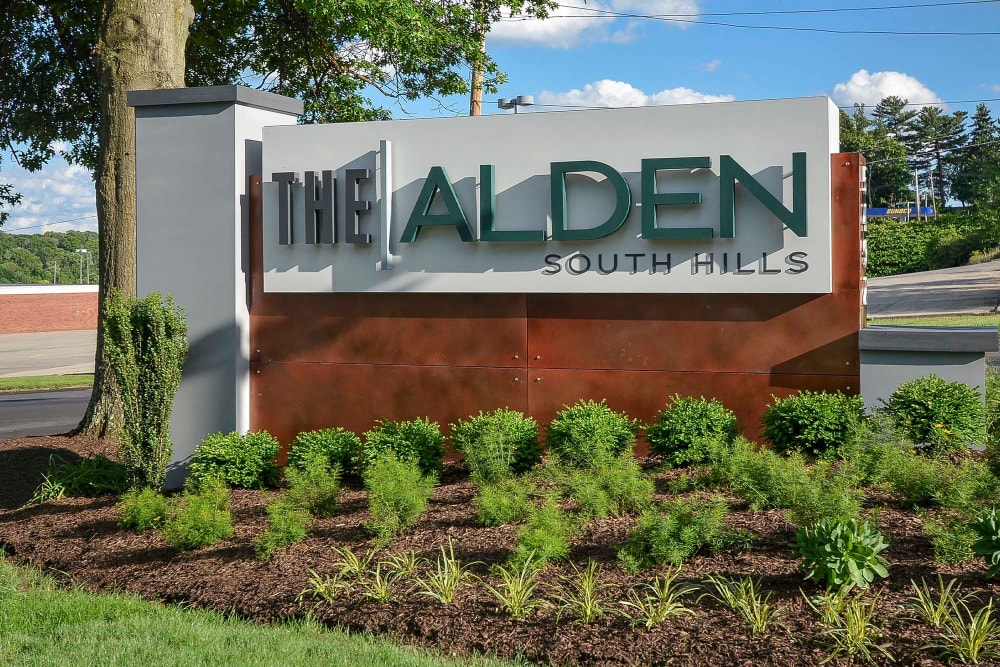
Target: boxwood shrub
[949,416]
[339,447]
[245,461]
[589,434]
[681,430]
[497,445]
[814,423]
[417,440]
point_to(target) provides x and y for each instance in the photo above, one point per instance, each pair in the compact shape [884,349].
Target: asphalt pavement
[963,290]
[47,353]
[41,412]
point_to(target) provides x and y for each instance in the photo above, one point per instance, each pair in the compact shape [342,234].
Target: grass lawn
[44,624]
[34,382]
[939,321]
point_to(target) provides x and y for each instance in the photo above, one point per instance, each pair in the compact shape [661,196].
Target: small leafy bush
[613,488]
[397,493]
[951,534]
[503,502]
[589,433]
[143,509]
[339,447]
[497,445]
[841,554]
[544,537]
[244,461]
[682,429]
[95,475]
[417,439]
[287,523]
[949,416]
[314,485]
[145,341]
[987,545]
[673,532]
[199,518]
[814,423]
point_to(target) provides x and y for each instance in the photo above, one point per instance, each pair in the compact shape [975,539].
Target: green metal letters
[437,181]
[651,198]
[623,198]
[488,212]
[730,172]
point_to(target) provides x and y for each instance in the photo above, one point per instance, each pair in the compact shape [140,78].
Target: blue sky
[603,53]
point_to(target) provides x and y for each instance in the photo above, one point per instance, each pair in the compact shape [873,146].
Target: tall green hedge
[903,247]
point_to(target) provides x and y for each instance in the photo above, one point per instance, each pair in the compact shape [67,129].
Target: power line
[777,12]
[57,222]
[843,106]
[833,31]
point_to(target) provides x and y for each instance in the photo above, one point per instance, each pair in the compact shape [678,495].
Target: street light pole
[81,252]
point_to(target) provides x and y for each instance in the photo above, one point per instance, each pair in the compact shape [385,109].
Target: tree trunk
[140,47]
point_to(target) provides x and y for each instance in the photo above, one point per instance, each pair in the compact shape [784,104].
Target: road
[41,412]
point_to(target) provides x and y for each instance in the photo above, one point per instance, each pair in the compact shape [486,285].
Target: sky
[615,53]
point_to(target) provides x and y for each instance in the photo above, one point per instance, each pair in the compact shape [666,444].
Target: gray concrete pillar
[195,148]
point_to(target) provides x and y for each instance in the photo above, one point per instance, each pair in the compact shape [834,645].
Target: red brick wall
[28,313]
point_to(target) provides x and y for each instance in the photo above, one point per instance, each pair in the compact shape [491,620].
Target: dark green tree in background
[888,175]
[938,135]
[977,174]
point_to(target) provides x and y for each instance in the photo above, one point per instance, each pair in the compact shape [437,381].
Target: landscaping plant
[419,440]
[544,536]
[142,509]
[612,488]
[673,532]
[744,597]
[583,593]
[588,434]
[948,416]
[987,545]
[244,461]
[145,342]
[340,448]
[517,589]
[397,493]
[854,633]
[841,554]
[94,475]
[935,610]
[497,445]
[287,523]
[660,601]
[446,577]
[200,517]
[814,423]
[680,432]
[502,502]
[951,534]
[314,485]
[971,637]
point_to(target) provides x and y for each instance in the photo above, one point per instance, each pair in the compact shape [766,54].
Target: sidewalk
[965,290]
[47,353]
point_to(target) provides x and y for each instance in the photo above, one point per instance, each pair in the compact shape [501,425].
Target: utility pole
[476,94]
[916,190]
[933,194]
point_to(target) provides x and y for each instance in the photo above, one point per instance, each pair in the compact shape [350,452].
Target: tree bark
[140,47]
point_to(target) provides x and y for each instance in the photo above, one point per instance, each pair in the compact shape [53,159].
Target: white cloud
[58,192]
[712,65]
[870,87]
[608,93]
[569,26]
[995,88]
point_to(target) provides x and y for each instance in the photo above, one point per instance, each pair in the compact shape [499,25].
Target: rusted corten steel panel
[756,333]
[349,359]
[642,394]
[288,398]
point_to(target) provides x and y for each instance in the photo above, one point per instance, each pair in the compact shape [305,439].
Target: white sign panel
[706,198]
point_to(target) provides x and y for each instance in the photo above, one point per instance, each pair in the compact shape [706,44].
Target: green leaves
[815,423]
[988,544]
[681,430]
[843,554]
[949,416]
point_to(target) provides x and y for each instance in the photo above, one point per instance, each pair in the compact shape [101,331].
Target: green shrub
[951,534]
[987,545]
[199,518]
[142,509]
[681,430]
[673,532]
[814,423]
[245,461]
[502,502]
[613,488]
[588,434]
[949,416]
[497,445]
[902,247]
[911,478]
[287,523]
[992,414]
[397,494]
[94,475]
[417,439]
[339,447]
[766,480]
[544,537]
[314,485]
[841,554]
[145,341]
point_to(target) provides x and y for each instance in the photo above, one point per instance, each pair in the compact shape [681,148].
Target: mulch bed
[78,539]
